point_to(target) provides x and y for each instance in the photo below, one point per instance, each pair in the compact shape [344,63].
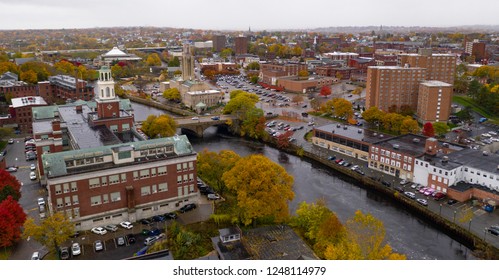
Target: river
[406,233]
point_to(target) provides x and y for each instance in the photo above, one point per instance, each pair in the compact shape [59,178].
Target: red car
[338,161]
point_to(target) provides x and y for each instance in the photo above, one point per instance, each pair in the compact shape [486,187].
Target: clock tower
[108,105]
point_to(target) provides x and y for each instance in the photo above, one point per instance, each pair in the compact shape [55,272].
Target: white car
[32,166]
[195,118]
[11,141]
[75,249]
[213,196]
[35,256]
[99,230]
[126,225]
[32,175]
[422,201]
[41,201]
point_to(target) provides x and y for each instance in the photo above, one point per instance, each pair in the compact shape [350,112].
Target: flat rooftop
[354,132]
[27,101]
[435,84]
[409,144]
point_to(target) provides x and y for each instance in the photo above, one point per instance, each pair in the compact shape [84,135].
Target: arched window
[102,93]
[107,92]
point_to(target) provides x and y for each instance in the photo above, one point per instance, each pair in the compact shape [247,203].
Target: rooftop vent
[345,127]
[445,145]
[445,159]
[381,136]
[338,125]
[415,140]
[396,146]
[375,134]
[359,131]
[485,153]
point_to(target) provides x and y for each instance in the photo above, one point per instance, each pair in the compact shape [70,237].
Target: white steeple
[104,89]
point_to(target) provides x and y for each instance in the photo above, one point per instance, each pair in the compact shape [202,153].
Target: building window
[123,177]
[179,167]
[154,188]
[58,189]
[191,177]
[145,191]
[161,170]
[76,212]
[153,172]
[67,201]
[135,175]
[115,196]
[75,200]
[93,183]
[114,179]
[191,165]
[191,188]
[144,173]
[103,181]
[163,187]
[185,166]
[95,200]
[186,178]
[65,187]
[105,198]
[59,203]
[74,187]
[179,179]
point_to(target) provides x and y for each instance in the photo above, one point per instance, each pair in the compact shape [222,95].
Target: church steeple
[107,103]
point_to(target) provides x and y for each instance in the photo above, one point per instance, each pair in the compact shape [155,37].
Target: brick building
[476,49]
[219,42]
[439,67]
[269,73]
[389,86]
[434,101]
[296,85]
[99,170]
[20,111]
[241,45]
[336,72]
[204,98]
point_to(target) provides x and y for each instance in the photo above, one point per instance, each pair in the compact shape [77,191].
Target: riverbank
[160,106]
[480,248]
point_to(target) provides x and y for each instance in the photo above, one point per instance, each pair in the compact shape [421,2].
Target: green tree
[240,103]
[159,126]
[262,187]
[52,232]
[309,218]
[41,69]
[6,132]
[253,66]
[153,60]
[473,89]
[185,244]
[172,94]
[175,62]
[253,124]
[226,53]
[441,128]
[211,166]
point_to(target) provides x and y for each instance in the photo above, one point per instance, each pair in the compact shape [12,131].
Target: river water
[406,233]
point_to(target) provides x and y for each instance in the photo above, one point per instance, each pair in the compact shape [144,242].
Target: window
[191,177]
[75,200]
[185,166]
[144,173]
[123,177]
[179,179]
[186,178]
[161,170]
[93,183]
[76,212]
[135,175]
[105,198]
[103,181]
[179,167]
[65,187]
[153,172]
[67,201]
[58,189]
[95,200]
[74,187]
[145,190]
[114,179]
[163,187]
[114,128]
[124,155]
[179,191]
[191,188]
[59,203]
[191,165]
[154,188]
[115,196]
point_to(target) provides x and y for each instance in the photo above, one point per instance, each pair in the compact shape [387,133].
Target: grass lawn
[2,144]
[466,101]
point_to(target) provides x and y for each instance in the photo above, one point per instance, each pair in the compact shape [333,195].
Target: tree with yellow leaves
[342,108]
[52,232]
[159,126]
[153,60]
[211,166]
[262,189]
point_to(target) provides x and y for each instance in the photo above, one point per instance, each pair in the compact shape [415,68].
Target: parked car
[171,215]
[98,245]
[451,201]
[358,170]
[404,181]
[429,191]
[215,118]
[154,232]
[150,240]
[188,207]
[493,231]
[438,196]
[75,249]
[146,221]
[159,218]
[120,241]
[331,158]
[422,201]
[213,196]
[195,118]
[99,230]
[126,225]
[11,169]
[11,141]
[386,184]
[399,189]
[32,175]
[111,227]
[410,195]
[131,238]
[35,256]
[64,253]
[32,166]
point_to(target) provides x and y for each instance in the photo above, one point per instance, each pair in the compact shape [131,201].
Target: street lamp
[454,216]
[440,209]
[469,225]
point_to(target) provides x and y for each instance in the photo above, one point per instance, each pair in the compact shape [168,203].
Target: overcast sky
[239,15]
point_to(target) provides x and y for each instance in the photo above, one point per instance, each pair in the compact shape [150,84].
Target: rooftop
[396,68]
[435,84]
[354,132]
[28,101]
[408,144]
[476,159]
[202,92]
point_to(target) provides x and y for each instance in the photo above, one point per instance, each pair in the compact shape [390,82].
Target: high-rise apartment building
[219,43]
[241,45]
[391,87]
[440,67]
[434,101]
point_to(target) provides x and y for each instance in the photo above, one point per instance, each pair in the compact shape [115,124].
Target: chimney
[79,109]
[56,125]
[431,146]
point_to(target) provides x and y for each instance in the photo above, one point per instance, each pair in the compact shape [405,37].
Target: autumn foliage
[325,91]
[12,218]
[428,130]
[9,185]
